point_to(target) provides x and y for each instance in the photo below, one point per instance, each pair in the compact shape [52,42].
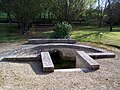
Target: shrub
[61,30]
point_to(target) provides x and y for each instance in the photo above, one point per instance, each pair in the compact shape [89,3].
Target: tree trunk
[9,20]
[110,15]
[99,22]
[102,12]
[66,11]
[9,17]
[18,24]
[23,28]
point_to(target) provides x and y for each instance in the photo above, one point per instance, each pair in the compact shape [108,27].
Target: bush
[61,30]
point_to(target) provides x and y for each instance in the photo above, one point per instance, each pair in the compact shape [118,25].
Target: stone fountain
[40,49]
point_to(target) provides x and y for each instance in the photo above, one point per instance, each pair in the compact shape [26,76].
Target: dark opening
[60,61]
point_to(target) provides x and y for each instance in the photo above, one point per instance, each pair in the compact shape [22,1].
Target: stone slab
[83,60]
[44,41]
[22,57]
[47,63]
[101,55]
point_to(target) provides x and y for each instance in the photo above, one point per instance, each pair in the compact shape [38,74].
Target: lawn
[3,15]
[79,33]
[7,36]
[97,35]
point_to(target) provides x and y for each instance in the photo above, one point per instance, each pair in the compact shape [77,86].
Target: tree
[90,8]
[60,9]
[25,11]
[101,11]
[47,10]
[68,10]
[77,9]
[115,13]
[6,7]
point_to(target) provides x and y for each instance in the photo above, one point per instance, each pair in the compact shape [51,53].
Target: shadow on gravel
[36,66]
[85,70]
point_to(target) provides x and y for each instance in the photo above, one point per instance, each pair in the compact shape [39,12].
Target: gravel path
[28,76]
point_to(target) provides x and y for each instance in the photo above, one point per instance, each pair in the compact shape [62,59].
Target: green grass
[3,15]
[79,33]
[7,36]
[97,35]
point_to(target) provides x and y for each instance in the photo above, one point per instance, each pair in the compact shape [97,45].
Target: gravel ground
[28,75]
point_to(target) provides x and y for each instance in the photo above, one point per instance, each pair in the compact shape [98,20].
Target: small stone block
[47,63]
[83,60]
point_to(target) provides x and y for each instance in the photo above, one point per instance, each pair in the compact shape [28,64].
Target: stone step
[47,63]
[83,60]
[101,55]
[23,57]
[45,41]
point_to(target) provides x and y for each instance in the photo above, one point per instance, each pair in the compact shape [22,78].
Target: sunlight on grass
[91,34]
[112,38]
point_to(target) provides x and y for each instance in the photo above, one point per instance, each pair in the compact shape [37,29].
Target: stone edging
[45,41]
[99,53]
